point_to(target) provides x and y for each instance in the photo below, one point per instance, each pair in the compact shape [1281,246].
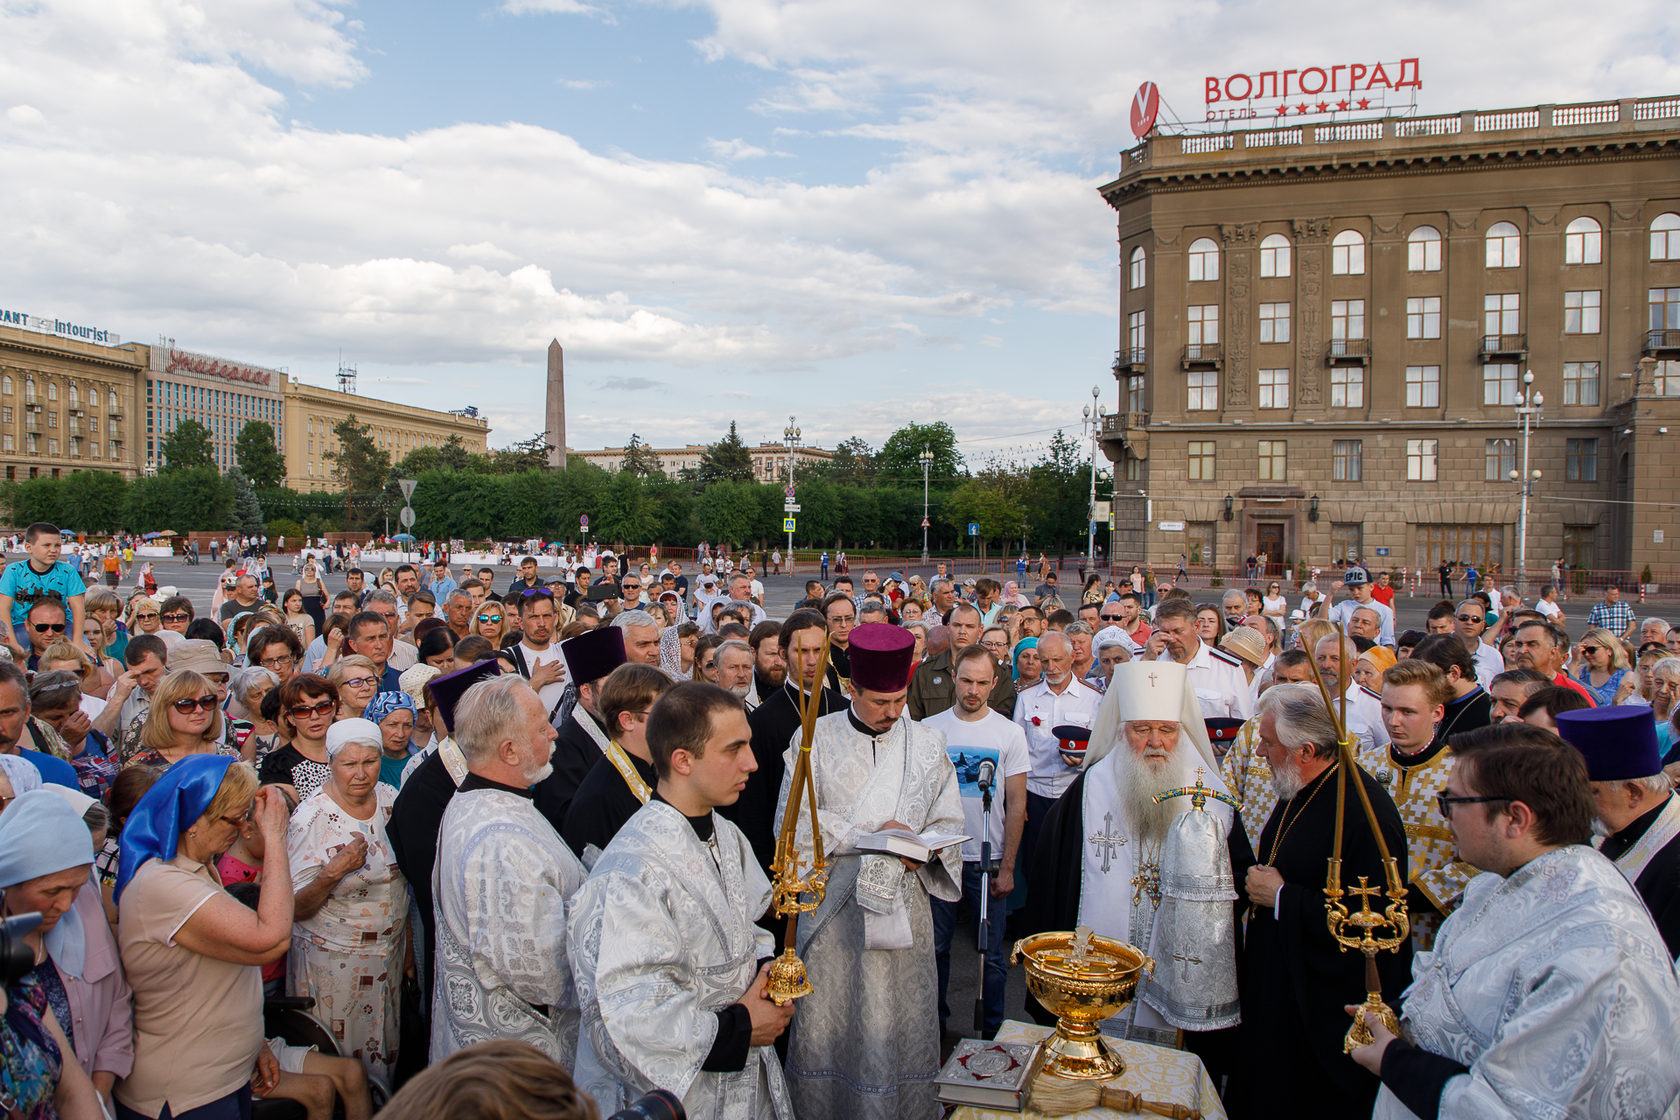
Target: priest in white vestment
[1099,860]
[670,968]
[1549,992]
[865,1042]
[501,882]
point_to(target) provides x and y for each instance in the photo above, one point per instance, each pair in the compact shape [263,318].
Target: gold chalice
[1082,979]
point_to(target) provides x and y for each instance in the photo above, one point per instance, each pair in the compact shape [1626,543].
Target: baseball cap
[1355,575]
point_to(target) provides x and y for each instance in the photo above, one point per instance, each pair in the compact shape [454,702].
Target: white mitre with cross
[1149,690]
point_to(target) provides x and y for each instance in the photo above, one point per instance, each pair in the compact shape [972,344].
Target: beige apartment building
[770,460]
[1325,331]
[312,412]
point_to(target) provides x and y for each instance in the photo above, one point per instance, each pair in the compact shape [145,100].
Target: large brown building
[67,403]
[397,429]
[1324,332]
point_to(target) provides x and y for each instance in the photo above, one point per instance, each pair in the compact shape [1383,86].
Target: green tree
[93,501]
[526,455]
[995,499]
[246,515]
[900,458]
[1059,494]
[727,460]
[853,464]
[627,515]
[199,498]
[728,512]
[360,468]
[639,459]
[187,447]
[258,454]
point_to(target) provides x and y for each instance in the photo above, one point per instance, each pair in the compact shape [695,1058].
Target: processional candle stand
[793,893]
[1367,930]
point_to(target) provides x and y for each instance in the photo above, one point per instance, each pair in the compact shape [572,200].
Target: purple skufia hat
[881,656]
[1618,742]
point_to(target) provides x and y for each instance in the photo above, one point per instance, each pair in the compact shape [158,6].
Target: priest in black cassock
[1296,980]
[620,783]
[582,739]
[417,813]
[1638,813]
[774,723]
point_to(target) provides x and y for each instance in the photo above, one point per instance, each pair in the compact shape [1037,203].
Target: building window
[1202,324]
[1347,542]
[1423,386]
[1201,460]
[32,444]
[1274,322]
[1204,390]
[52,419]
[1578,548]
[6,384]
[1135,393]
[1347,460]
[1665,308]
[1481,545]
[1129,467]
[1580,460]
[1499,383]
[1140,268]
[1423,317]
[1423,250]
[113,401]
[1274,388]
[93,425]
[1274,460]
[75,396]
[52,446]
[6,415]
[114,446]
[1504,246]
[1204,259]
[1580,383]
[1347,387]
[1198,542]
[8,443]
[1583,242]
[1420,459]
[1501,459]
[1500,313]
[1347,318]
[1665,379]
[52,390]
[1347,254]
[1274,256]
[1580,312]
[1137,336]
[1665,238]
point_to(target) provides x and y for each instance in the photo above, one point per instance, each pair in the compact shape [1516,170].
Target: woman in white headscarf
[350,943]
[17,777]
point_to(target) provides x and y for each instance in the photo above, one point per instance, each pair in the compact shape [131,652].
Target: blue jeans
[997,965]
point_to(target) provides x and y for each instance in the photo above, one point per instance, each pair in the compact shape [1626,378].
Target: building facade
[67,404]
[221,394]
[770,460]
[313,412]
[1325,331]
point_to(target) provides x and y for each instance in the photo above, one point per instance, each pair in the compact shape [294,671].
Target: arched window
[1423,250]
[1204,259]
[1140,269]
[52,390]
[6,384]
[75,396]
[1665,238]
[1504,246]
[1274,255]
[114,399]
[1347,254]
[1583,242]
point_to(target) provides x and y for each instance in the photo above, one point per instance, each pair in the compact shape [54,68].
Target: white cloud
[729,150]
[579,83]
[547,7]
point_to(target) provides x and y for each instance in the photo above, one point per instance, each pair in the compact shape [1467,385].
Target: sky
[860,213]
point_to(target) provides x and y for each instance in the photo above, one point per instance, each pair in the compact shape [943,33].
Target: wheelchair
[289,1018]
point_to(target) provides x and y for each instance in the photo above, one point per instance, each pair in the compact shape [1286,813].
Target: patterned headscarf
[21,773]
[381,707]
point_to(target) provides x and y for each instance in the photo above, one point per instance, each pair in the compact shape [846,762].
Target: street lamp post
[790,436]
[1093,413]
[927,464]
[1529,412]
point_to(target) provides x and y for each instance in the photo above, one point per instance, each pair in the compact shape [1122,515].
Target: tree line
[862,498]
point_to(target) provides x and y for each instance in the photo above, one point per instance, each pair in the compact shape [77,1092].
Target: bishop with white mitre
[1099,859]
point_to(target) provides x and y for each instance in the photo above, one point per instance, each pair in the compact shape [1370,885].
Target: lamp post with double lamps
[1093,414]
[1529,413]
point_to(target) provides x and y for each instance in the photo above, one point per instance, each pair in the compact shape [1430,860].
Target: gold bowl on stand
[1082,979]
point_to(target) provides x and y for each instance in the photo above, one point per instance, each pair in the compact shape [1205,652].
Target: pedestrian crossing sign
[787,524]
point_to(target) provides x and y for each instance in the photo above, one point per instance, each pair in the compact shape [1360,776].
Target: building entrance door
[1268,538]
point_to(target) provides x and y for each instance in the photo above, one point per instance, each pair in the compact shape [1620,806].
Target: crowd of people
[512,833]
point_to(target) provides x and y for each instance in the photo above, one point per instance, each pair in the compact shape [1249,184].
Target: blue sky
[860,212]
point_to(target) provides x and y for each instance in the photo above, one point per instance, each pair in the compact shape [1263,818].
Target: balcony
[1134,360]
[1348,352]
[1662,343]
[115,416]
[1203,355]
[1504,346]
[32,421]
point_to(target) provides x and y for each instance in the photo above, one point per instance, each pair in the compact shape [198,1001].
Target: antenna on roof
[346,375]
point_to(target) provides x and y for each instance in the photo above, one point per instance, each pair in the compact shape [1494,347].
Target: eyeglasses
[175,616]
[359,682]
[1446,803]
[285,662]
[1111,618]
[52,627]
[489,618]
[239,820]
[545,592]
[1472,618]
[319,708]
[145,614]
[1592,649]
[187,705]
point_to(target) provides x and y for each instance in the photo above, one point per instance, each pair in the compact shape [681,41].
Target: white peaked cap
[1149,690]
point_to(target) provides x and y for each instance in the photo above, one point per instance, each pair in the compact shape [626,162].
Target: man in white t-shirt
[983,745]
[1547,605]
[537,656]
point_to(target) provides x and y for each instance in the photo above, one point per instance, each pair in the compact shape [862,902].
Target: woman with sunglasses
[185,718]
[1275,603]
[490,623]
[357,680]
[144,615]
[308,707]
[1604,671]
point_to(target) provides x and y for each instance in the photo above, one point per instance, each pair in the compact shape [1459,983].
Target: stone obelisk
[556,409]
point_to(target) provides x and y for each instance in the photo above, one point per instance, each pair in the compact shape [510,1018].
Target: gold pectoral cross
[1147,881]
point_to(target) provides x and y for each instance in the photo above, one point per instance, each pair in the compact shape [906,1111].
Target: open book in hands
[918,846]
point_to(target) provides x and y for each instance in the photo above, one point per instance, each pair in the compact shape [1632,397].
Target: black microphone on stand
[985,779]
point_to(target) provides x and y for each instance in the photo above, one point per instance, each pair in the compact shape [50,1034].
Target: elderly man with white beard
[735,671]
[1098,862]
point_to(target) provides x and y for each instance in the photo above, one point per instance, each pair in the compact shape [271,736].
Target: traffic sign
[790,507]
[974,528]
[583,522]
[787,524]
[406,517]
[1146,105]
[408,485]
[789,493]
[924,523]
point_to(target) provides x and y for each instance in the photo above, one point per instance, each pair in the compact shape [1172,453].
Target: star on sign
[1282,110]
[1324,106]
[1301,108]
[1342,105]
[1364,102]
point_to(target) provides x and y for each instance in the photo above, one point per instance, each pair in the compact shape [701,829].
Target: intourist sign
[63,328]
[172,360]
[1354,87]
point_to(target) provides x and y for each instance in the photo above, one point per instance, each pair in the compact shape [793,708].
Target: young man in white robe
[501,883]
[1549,991]
[670,968]
[865,1044]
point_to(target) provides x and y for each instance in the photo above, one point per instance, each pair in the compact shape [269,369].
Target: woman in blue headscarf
[1026,664]
[43,870]
[192,953]
[40,840]
[394,714]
